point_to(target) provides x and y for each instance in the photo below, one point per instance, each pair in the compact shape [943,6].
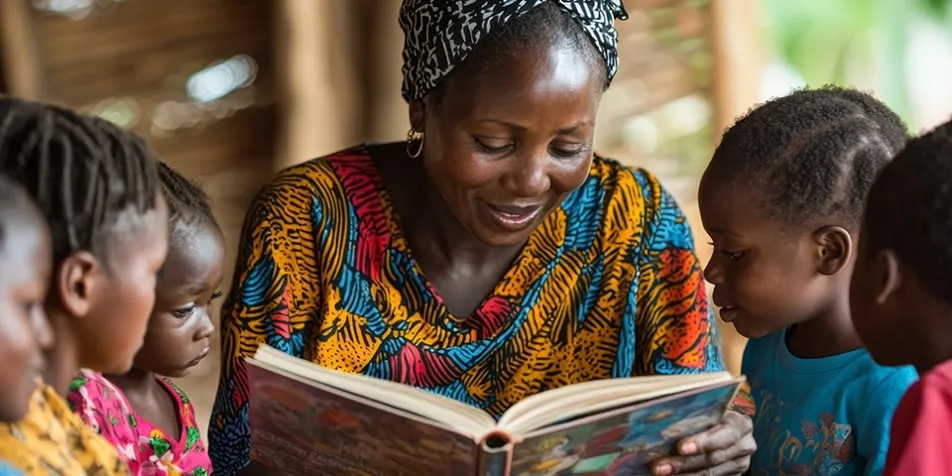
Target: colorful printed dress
[607,286]
[147,449]
[51,439]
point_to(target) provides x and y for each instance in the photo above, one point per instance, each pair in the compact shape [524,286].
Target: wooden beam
[21,58]
[738,59]
[316,82]
[735,40]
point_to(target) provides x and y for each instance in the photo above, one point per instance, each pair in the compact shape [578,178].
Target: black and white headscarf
[441,33]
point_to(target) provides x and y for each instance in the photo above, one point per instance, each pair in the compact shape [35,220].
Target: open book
[310,420]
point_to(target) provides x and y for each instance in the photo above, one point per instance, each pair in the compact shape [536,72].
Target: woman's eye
[493,145]
[569,151]
[183,312]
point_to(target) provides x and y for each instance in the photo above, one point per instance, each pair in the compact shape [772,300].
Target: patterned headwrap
[441,33]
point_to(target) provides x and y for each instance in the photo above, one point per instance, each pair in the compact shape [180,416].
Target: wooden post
[316,81]
[21,60]
[735,39]
[387,112]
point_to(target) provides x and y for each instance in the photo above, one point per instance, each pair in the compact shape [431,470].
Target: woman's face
[506,146]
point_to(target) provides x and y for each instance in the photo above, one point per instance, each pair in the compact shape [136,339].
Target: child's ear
[75,282]
[835,247]
[888,275]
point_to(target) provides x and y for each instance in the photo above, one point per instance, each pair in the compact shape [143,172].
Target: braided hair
[909,210]
[188,203]
[814,153]
[83,172]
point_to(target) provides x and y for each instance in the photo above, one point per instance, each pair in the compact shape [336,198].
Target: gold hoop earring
[414,136]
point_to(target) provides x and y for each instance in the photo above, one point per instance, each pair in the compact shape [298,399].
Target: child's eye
[30,306]
[184,312]
[217,295]
[733,255]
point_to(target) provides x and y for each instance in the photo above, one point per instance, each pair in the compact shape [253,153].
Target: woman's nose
[530,175]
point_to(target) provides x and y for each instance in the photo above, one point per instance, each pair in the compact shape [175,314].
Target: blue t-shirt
[7,470]
[826,416]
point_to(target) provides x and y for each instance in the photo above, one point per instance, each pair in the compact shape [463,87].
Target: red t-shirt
[921,435]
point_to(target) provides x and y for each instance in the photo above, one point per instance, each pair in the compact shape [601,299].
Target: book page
[452,413]
[301,429]
[565,403]
[622,441]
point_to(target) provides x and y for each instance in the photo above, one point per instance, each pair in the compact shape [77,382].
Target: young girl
[24,331]
[782,200]
[98,188]
[148,418]
[901,296]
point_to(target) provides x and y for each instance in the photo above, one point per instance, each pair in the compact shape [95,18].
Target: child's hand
[725,449]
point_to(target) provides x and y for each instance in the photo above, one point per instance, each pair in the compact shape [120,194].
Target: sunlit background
[231,90]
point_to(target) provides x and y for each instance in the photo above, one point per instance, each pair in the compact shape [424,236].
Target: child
[24,331]
[148,418]
[98,188]
[901,296]
[782,200]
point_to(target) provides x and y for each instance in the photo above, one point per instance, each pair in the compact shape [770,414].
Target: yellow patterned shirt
[607,286]
[52,440]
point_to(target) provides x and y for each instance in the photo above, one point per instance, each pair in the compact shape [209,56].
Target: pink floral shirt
[148,449]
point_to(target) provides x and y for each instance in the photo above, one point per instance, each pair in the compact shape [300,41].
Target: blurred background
[229,91]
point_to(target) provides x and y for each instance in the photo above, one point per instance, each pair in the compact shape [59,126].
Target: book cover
[620,442]
[306,430]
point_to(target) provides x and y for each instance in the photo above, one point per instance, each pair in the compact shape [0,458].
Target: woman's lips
[513,217]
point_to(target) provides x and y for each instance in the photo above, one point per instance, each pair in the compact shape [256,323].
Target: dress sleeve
[265,305]
[676,328]
[921,436]
[102,407]
[88,397]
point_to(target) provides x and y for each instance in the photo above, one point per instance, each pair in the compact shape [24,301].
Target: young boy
[782,200]
[901,296]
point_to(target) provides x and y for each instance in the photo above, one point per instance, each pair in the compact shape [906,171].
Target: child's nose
[712,272]
[42,329]
[206,328]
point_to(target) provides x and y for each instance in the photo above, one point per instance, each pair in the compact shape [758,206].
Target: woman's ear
[834,249]
[75,281]
[418,115]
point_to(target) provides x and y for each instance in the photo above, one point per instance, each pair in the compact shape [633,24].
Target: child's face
[121,294]
[878,318]
[180,330]
[764,277]
[25,257]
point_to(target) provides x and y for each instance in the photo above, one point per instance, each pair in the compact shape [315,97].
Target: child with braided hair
[97,185]
[147,417]
[782,200]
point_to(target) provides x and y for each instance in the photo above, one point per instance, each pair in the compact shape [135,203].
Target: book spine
[494,463]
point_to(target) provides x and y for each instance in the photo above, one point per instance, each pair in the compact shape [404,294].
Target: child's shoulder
[90,388]
[51,436]
[940,377]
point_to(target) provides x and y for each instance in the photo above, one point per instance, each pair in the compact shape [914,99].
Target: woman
[490,257]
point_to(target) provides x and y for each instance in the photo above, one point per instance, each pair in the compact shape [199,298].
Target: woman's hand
[725,449]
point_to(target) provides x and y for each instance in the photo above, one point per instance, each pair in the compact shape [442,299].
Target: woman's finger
[727,459]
